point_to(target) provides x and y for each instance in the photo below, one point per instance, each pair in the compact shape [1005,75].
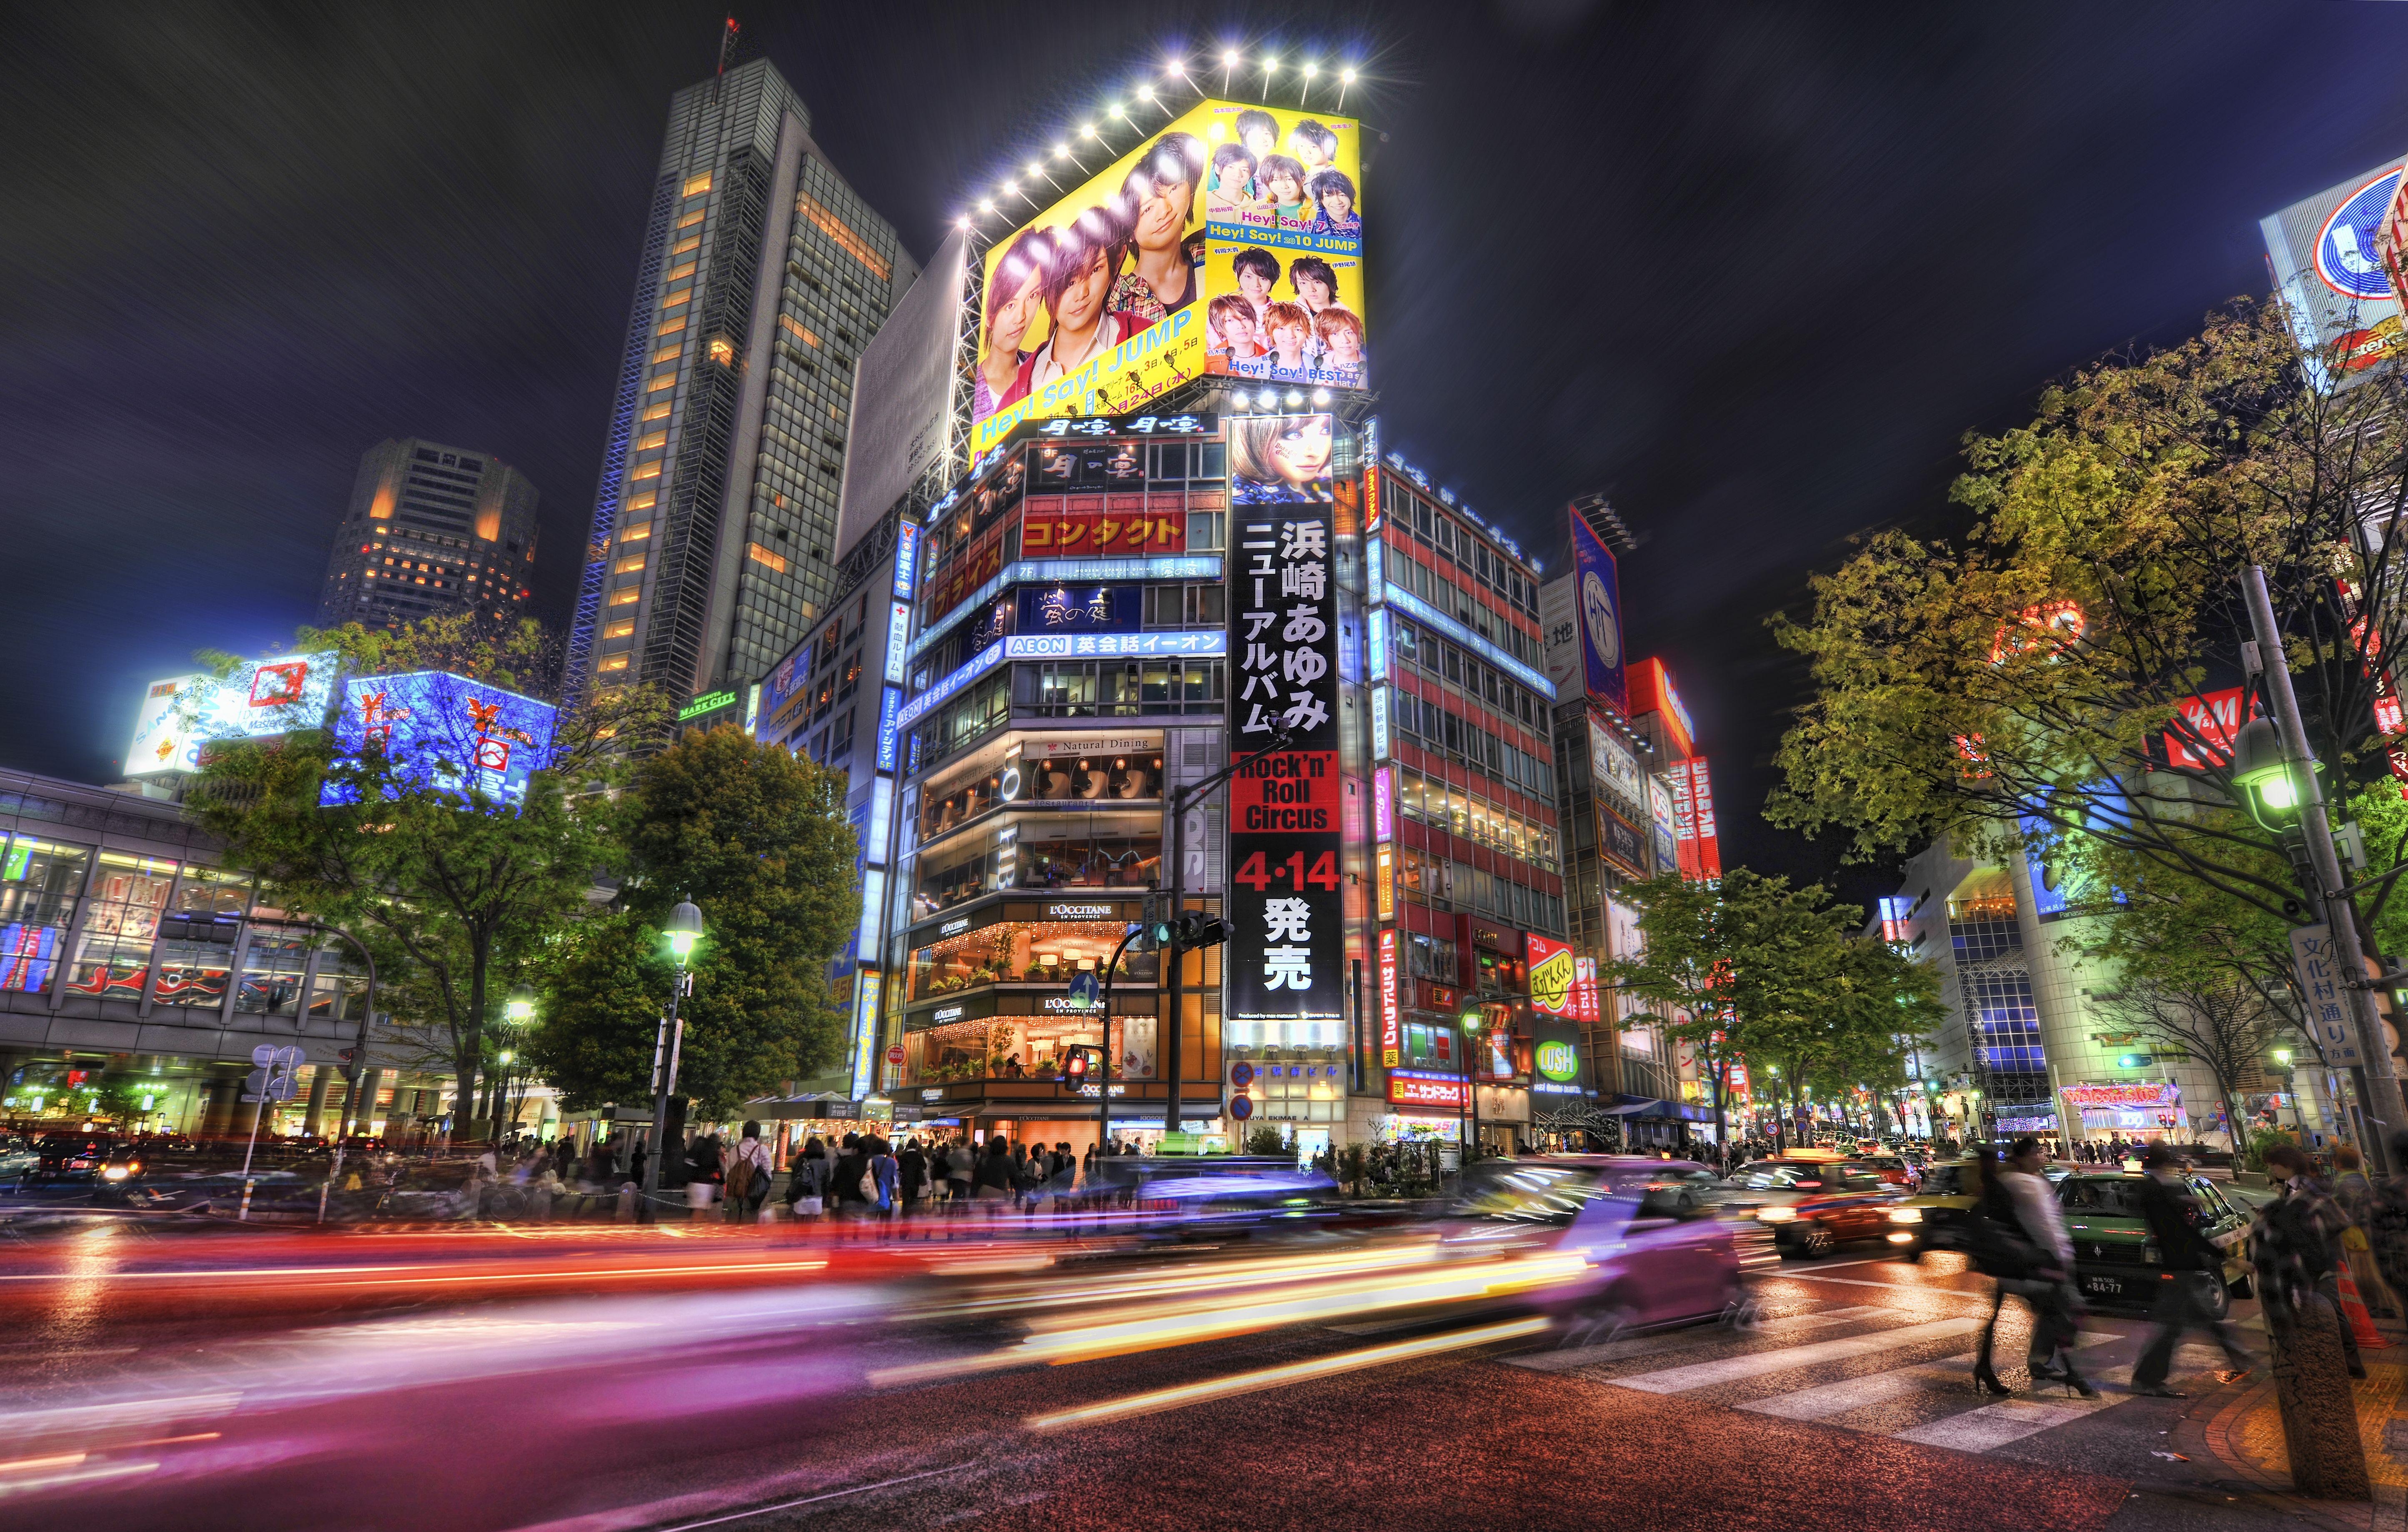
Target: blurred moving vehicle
[1934,1218]
[2115,1258]
[1813,1204]
[1655,1253]
[1231,1192]
[18,1158]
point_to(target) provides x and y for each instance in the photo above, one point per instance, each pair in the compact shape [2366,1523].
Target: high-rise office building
[431,530]
[713,547]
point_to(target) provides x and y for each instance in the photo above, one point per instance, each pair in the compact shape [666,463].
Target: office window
[612,661]
[629,565]
[636,533]
[699,182]
[627,598]
[620,629]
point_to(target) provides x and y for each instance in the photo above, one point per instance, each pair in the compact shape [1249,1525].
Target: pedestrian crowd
[2300,1245]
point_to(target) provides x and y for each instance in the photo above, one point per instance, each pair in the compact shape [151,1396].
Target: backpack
[869,1181]
[739,1179]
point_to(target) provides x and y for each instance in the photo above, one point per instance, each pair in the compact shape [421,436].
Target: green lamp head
[684,929]
[2268,783]
[521,1006]
[1473,1021]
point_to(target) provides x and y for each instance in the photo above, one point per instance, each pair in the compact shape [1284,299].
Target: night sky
[1749,269]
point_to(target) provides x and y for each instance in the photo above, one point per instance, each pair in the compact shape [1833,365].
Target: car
[1653,1253]
[1813,1204]
[18,1158]
[1934,1217]
[2116,1259]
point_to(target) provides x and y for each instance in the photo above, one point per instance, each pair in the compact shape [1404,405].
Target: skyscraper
[432,529]
[714,536]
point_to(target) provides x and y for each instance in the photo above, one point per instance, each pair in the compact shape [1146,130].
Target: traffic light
[1198,931]
[1074,1066]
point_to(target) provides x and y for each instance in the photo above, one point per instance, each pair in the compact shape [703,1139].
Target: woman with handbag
[2018,1237]
[806,1182]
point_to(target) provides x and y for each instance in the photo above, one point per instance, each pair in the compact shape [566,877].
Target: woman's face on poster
[1301,454]
[1162,217]
[1011,319]
[1084,297]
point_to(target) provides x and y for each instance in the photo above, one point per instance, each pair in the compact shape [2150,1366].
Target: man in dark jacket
[2193,1263]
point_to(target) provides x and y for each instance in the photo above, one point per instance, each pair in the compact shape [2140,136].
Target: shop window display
[1024,953]
[113,955]
[40,883]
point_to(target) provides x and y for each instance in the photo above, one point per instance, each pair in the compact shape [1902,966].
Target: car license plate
[2101,1284]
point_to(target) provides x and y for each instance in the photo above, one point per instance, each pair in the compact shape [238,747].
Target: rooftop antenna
[726,46]
[1605,521]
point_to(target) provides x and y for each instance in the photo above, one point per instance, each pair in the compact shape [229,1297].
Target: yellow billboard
[1229,242]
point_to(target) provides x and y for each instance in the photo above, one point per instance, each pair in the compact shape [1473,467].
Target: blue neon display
[436,729]
[1069,571]
[890,713]
[1430,617]
[907,558]
[1056,646]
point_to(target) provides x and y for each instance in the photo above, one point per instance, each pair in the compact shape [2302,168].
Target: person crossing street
[2193,1265]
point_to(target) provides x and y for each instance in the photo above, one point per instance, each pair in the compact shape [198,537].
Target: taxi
[1812,1201]
[2116,1260]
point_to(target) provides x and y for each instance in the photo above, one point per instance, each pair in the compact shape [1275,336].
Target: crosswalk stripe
[1848,1394]
[2012,1420]
[1648,1345]
[1731,1369]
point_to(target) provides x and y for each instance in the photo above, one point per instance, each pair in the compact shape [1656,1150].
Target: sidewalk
[2244,1435]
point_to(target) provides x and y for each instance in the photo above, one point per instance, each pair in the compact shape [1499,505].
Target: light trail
[1279,1377]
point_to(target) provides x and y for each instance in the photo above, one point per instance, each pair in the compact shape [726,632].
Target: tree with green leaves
[2019,684]
[1751,967]
[401,847]
[757,838]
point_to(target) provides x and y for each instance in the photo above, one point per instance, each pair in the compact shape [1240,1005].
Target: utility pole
[2377,1082]
[1181,800]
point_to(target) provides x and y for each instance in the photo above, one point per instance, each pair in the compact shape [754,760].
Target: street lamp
[1474,1021]
[2290,1088]
[2266,778]
[684,928]
[517,1011]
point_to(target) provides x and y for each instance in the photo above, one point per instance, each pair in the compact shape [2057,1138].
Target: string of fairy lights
[1034,184]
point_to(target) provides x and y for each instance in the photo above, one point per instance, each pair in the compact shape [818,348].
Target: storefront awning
[1639,1106]
[815,1104]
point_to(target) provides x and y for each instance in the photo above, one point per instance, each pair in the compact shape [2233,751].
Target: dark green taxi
[2115,1260]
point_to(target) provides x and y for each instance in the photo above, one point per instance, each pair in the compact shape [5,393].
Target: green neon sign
[710,702]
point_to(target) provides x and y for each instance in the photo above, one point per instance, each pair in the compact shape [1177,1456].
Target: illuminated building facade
[713,546]
[432,530]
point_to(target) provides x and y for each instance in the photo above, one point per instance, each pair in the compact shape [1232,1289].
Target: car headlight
[2149,1255]
[115,1172]
[1906,1216]
[1776,1215]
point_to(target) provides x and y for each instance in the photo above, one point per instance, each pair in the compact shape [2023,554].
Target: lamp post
[683,930]
[517,1011]
[1475,1023]
[2274,772]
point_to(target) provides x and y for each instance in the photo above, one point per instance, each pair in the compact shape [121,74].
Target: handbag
[1998,1251]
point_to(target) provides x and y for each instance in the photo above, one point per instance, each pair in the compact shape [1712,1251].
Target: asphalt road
[751,1398]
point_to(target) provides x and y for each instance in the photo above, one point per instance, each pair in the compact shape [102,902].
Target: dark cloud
[1751,268]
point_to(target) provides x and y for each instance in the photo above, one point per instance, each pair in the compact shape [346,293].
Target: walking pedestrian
[2020,1239]
[994,1174]
[2356,1194]
[2296,1245]
[704,1173]
[913,1165]
[960,1164]
[750,1170]
[806,1180]
[2195,1268]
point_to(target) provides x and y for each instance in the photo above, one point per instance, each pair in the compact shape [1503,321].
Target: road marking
[1645,1345]
[1895,1287]
[1731,1369]
[1294,1372]
[1848,1394]
[2012,1420]
[811,1500]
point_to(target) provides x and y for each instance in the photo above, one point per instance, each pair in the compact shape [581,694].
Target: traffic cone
[2353,1308]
